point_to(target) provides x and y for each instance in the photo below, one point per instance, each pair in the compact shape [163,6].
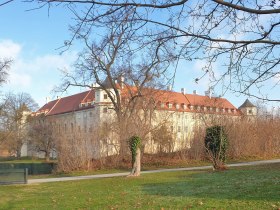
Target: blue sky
[31,38]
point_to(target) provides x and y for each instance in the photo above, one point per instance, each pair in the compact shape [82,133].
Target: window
[179,129]
[72,127]
[105,96]
[90,114]
[105,110]
[250,111]
[169,105]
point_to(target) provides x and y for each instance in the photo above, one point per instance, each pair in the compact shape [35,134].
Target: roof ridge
[53,106]
[86,95]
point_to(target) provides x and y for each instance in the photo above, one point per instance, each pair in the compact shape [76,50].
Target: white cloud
[9,49]
[35,74]
[48,62]
[21,80]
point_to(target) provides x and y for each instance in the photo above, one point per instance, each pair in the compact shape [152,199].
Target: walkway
[35,181]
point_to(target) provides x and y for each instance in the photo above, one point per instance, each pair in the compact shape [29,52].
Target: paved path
[34,181]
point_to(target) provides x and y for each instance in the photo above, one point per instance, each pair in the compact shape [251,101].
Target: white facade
[181,117]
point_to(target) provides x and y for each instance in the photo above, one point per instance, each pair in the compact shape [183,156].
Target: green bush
[216,143]
[134,143]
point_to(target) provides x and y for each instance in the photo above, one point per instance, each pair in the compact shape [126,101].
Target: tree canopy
[241,38]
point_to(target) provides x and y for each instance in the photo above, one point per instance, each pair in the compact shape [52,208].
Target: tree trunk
[18,153]
[137,164]
[47,156]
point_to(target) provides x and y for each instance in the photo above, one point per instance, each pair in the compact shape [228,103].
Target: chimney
[183,91]
[47,100]
[94,85]
[169,87]
[194,92]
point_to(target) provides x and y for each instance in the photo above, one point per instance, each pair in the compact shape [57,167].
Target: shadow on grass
[231,184]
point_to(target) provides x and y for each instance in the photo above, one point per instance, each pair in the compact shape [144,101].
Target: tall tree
[241,38]
[15,110]
[4,66]
[41,135]
[118,55]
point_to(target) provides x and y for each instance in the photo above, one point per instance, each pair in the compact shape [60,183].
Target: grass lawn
[255,187]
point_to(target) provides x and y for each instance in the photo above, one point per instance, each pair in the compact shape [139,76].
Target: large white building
[83,112]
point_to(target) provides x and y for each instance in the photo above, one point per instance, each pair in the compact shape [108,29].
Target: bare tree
[241,38]
[41,135]
[4,66]
[118,66]
[164,139]
[16,108]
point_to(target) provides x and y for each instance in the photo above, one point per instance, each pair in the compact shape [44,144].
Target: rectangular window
[105,110]
[105,96]
[179,129]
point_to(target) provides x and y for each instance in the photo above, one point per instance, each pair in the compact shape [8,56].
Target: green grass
[255,187]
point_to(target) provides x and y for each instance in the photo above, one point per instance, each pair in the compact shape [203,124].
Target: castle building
[181,112]
[248,109]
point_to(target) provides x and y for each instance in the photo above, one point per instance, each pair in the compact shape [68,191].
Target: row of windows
[179,129]
[76,128]
[198,108]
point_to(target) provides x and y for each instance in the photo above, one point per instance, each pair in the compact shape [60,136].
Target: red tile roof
[164,97]
[179,101]
[68,104]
